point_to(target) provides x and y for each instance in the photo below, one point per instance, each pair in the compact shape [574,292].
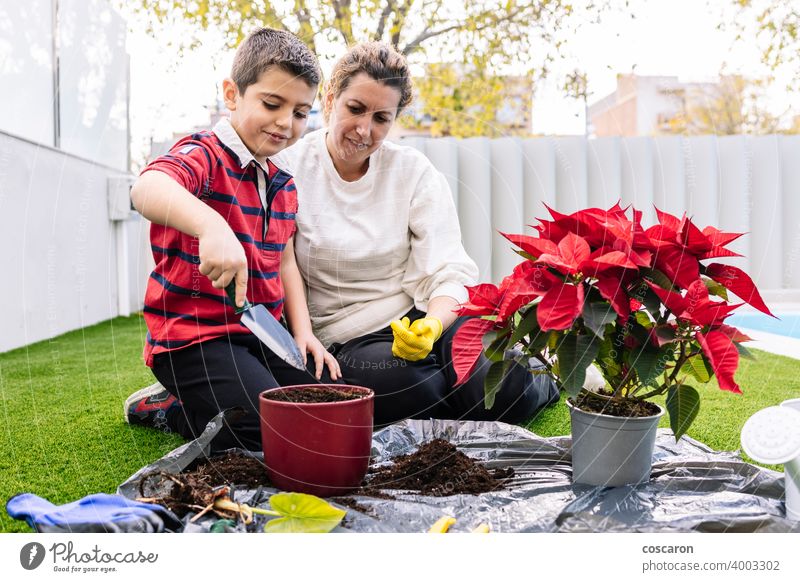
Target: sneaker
[149,407]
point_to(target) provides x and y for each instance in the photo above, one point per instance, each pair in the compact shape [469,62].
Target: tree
[466,47]
[776,27]
[732,106]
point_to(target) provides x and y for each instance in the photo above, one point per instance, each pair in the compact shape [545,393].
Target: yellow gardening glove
[414,341]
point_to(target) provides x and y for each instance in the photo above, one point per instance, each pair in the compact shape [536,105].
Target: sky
[664,37]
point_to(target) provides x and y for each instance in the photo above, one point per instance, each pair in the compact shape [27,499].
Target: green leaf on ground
[683,404]
[744,352]
[302,513]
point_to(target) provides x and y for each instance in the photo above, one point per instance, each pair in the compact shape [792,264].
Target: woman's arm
[443,308]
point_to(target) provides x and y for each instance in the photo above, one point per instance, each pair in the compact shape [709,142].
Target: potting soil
[692,488]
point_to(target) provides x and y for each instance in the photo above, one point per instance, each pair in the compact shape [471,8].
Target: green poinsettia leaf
[643,319]
[575,354]
[698,368]
[657,277]
[526,325]
[683,404]
[649,363]
[495,349]
[302,513]
[715,288]
[525,255]
[494,381]
[596,315]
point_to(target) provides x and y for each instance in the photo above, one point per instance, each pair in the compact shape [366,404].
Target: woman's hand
[414,341]
[308,343]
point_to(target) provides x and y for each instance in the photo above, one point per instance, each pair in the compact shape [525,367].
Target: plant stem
[264,511]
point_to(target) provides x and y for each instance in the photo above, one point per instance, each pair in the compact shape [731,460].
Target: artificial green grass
[64,436]
[61,400]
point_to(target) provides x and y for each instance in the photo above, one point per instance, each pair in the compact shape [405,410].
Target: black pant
[425,389]
[223,373]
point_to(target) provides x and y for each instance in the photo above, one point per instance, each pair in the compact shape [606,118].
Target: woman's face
[360,118]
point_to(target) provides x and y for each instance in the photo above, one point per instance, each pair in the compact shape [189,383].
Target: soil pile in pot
[437,469]
[622,407]
[308,394]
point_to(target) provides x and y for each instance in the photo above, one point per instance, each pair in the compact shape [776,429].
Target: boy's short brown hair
[269,47]
[380,62]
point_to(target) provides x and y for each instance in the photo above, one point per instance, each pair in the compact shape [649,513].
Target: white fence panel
[734,204]
[539,178]
[605,178]
[475,201]
[669,174]
[736,183]
[571,174]
[443,153]
[766,224]
[638,177]
[507,205]
[702,179]
[790,181]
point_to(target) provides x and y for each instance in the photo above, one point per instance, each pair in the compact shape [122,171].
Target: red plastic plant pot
[321,448]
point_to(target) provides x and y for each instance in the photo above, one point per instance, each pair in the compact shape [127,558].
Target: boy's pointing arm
[162,200]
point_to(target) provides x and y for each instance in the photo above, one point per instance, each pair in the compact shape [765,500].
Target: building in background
[644,105]
[73,250]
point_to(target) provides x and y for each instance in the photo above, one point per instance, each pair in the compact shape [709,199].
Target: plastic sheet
[692,487]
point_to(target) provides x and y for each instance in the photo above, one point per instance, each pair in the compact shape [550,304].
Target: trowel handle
[231,291]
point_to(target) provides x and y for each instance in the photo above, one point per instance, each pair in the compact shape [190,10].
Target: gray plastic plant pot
[612,451]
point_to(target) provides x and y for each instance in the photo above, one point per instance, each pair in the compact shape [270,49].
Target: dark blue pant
[425,389]
[223,373]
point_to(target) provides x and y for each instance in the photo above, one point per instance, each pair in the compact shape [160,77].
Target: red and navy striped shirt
[181,307]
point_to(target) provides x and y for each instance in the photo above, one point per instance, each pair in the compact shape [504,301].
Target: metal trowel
[266,328]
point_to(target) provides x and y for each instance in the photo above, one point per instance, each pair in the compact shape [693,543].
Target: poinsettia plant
[596,287]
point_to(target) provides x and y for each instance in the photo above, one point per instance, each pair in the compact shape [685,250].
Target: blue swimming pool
[788,325]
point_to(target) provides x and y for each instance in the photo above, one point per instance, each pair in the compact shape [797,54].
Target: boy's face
[272,113]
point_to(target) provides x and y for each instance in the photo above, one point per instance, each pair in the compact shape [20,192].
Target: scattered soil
[197,489]
[234,469]
[437,469]
[622,407]
[313,394]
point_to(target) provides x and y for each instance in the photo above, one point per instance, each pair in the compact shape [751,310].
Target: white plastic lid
[772,435]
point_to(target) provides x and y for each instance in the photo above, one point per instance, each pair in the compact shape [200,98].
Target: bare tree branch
[387,10]
[491,21]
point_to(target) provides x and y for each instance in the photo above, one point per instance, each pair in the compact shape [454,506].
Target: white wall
[736,183]
[61,255]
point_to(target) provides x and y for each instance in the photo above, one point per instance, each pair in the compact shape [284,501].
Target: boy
[222,212]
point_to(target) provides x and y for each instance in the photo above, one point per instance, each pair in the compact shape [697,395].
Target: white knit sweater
[369,250]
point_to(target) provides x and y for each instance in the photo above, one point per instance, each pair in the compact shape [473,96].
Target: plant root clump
[437,469]
[198,489]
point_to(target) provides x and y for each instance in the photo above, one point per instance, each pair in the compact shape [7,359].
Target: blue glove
[98,513]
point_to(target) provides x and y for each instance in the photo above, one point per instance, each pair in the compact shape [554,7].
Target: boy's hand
[222,258]
[308,343]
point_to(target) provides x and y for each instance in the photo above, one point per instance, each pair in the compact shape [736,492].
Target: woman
[379,247]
